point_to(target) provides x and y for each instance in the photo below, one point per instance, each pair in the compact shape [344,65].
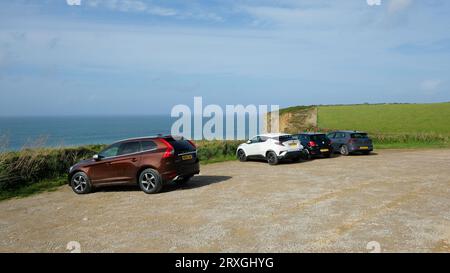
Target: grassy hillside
[390,125]
[388,118]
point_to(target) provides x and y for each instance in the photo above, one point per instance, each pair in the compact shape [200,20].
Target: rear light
[192,143]
[312,144]
[170,151]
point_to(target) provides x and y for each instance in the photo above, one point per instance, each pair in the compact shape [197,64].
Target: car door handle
[134,159]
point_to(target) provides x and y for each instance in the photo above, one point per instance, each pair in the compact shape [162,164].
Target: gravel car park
[387,200]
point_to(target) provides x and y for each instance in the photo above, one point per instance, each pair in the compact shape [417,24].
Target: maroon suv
[149,161]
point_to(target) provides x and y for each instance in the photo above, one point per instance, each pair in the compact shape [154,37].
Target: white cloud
[132,6]
[430,86]
[398,5]
[143,7]
[73,2]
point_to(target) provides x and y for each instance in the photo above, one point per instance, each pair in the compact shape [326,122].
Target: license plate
[186,157]
[324,150]
[364,148]
[293,144]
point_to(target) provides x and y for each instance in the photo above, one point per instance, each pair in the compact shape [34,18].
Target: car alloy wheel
[150,181]
[272,158]
[344,150]
[80,183]
[241,155]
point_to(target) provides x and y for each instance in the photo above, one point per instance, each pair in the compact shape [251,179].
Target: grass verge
[412,145]
[45,185]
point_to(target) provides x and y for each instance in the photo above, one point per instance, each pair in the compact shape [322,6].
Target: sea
[38,131]
[19,132]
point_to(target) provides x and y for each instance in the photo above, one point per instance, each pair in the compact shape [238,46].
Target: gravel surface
[393,201]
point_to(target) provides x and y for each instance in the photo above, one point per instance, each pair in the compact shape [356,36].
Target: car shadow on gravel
[356,154]
[281,162]
[195,182]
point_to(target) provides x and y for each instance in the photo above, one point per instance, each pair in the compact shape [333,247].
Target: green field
[388,118]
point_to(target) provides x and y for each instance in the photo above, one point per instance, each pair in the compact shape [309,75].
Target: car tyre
[80,183]
[272,158]
[306,154]
[241,155]
[344,150]
[150,181]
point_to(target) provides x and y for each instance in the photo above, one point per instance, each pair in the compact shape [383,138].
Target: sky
[126,57]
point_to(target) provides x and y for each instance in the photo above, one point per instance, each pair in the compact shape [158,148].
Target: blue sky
[143,57]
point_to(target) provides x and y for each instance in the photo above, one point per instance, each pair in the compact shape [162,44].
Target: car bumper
[289,154]
[181,170]
[360,148]
[320,151]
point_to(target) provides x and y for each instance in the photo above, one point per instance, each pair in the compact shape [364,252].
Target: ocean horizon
[17,132]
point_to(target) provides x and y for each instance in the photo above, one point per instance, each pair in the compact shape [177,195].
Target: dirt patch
[398,198]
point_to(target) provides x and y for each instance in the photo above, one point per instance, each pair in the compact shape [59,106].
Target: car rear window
[180,144]
[284,138]
[302,138]
[358,135]
[318,138]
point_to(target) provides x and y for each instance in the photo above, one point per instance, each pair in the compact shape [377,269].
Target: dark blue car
[348,142]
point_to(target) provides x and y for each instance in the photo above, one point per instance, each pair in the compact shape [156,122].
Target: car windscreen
[358,135]
[180,144]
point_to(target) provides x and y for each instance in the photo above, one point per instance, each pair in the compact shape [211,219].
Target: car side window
[340,135]
[148,145]
[331,135]
[129,148]
[304,138]
[255,139]
[263,139]
[110,150]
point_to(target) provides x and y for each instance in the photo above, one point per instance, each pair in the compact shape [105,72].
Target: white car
[271,147]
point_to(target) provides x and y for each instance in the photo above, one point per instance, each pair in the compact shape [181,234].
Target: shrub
[208,150]
[28,166]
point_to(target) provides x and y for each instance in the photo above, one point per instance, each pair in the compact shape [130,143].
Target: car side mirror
[249,142]
[96,157]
